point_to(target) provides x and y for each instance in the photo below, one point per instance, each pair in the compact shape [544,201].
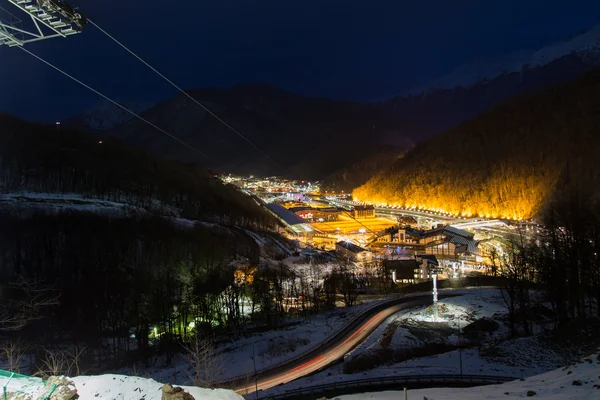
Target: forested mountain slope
[507,161]
[308,137]
[80,275]
[35,158]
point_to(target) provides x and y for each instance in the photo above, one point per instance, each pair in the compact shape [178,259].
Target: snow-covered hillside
[105,116]
[585,45]
[106,387]
[578,381]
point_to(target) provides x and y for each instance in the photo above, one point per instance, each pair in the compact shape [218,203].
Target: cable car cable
[115,103]
[188,95]
[207,109]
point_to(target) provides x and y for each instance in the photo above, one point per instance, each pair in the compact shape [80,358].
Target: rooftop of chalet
[350,247]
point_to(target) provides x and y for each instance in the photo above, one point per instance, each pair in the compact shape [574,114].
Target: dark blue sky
[346,49]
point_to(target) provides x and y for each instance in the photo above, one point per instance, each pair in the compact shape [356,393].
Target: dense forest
[95,278]
[505,163]
[130,288]
[35,158]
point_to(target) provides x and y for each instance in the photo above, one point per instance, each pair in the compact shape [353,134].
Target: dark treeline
[35,158]
[563,260]
[568,254]
[132,287]
[115,278]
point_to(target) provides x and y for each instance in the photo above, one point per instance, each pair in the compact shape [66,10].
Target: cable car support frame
[48,24]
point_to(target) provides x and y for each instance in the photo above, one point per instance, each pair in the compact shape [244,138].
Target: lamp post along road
[255,376]
[460,348]
[435,298]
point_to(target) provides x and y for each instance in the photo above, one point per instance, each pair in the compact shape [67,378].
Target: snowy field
[107,387]
[60,202]
[420,328]
[577,381]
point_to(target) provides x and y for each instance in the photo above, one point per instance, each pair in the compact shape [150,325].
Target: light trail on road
[335,352]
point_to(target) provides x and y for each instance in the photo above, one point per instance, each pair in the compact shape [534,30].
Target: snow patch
[111,387]
[105,116]
[482,70]
[579,381]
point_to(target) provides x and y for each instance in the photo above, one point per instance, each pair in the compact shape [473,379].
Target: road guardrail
[387,383]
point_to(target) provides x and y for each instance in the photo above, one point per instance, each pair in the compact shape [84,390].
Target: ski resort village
[299,200]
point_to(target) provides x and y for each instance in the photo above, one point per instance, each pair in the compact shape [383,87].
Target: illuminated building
[316,214]
[366,211]
[353,252]
[420,267]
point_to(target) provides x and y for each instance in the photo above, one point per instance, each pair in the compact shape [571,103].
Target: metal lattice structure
[47,22]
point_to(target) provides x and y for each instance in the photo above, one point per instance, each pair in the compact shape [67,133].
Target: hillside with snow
[576,381]
[104,116]
[102,387]
[470,336]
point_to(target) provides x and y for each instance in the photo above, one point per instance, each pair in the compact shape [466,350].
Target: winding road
[332,349]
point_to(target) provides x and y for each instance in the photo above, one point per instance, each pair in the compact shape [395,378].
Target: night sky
[357,50]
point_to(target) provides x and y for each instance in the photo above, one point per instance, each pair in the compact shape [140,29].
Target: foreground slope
[578,381]
[504,163]
[105,387]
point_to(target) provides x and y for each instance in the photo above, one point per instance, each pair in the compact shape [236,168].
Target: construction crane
[51,18]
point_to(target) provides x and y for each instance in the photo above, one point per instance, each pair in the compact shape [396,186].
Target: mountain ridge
[316,138]
[585,43]
[104,116]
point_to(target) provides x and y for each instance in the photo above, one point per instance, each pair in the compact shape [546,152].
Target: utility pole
[435,298]
[255,376]
[460,348]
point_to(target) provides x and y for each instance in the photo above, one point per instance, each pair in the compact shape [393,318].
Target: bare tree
[24,305]
[494,257]
[14,352]
[54,363]
[74,359]
[60,362]
[518,273]
[348,283]
[206,365]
